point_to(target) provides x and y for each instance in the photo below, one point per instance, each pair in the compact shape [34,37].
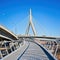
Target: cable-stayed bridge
[26,47]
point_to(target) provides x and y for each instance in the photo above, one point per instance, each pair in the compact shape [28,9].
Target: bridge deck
[34,52]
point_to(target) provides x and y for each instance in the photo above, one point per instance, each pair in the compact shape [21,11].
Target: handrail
[49,55]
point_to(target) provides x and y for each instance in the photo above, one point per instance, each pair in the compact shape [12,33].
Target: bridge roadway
[34,52]
[45,37]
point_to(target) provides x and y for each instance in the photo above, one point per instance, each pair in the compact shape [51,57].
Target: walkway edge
[49,55]
[23,53]
[15,55]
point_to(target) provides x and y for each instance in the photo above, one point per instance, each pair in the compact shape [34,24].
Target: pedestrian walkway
[34,52]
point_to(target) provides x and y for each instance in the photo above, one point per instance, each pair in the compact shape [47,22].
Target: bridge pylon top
[30,24]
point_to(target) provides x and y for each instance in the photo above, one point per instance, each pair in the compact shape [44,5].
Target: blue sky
[46,16]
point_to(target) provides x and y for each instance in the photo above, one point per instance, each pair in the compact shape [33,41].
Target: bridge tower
[30,24]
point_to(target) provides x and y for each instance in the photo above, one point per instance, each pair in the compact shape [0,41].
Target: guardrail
[15,55]
[49,55]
